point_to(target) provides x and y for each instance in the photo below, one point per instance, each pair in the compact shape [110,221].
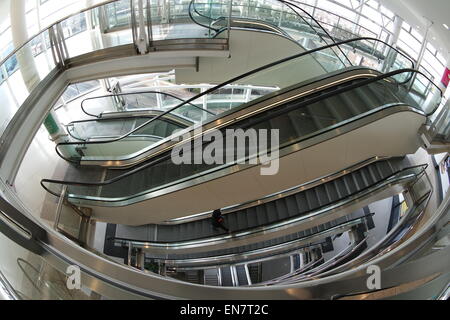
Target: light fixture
[445,26]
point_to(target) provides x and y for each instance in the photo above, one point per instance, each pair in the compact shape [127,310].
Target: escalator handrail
[291,5]
[390,241]
[307,269]
[387,75]
[274,29]
[132,93]
[329,265]
[192,5]
[71,124]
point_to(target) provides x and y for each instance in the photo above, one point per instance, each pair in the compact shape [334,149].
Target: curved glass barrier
[141,101]
[271,15]
[303,120]
[275,77]
[43,275]
[292,19]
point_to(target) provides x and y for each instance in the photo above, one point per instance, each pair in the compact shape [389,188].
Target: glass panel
[103,27]
[34,278]
[21,73]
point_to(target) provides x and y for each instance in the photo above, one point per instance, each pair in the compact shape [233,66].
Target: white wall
[250,50]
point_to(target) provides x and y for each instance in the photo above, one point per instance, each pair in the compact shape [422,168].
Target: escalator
[282,77]
[125,115]
[292,206]
[277,224]
[112,127]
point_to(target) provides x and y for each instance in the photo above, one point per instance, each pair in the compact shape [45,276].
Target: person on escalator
[218,220]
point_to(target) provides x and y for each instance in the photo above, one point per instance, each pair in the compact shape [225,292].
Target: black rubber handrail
[230,82]
[289,5]
[274,29]
[192,5]
[71,124]
[167,156]
[132,93]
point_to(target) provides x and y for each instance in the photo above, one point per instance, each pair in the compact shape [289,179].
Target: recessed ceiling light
[445,26]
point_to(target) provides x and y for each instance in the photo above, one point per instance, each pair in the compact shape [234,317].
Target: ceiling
[420,13]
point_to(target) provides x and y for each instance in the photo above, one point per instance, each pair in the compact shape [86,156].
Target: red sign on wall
[446,77]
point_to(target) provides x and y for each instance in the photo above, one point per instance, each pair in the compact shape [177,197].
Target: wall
[250,50]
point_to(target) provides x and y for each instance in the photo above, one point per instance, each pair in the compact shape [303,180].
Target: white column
[390,54]
[424,44]
[142,37]
[20,36]
[27,65]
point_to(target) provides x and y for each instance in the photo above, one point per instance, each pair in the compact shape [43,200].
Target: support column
[142,37]
[424,44]
[398,22]
[97,34]
[20,36]
[390,54]
[27,65]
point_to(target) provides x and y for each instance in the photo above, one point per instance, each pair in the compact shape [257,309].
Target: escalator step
[242,221]
[241,275]
[282,210]
[359,181]
[262,215]
[271,212]
[322,195]
[302,202]
[349,181]
[285,126]
[331,191]
[341,188]
[252,218]
[367,176]
[312,199]
[384,168]
[292,207]
[376,176]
